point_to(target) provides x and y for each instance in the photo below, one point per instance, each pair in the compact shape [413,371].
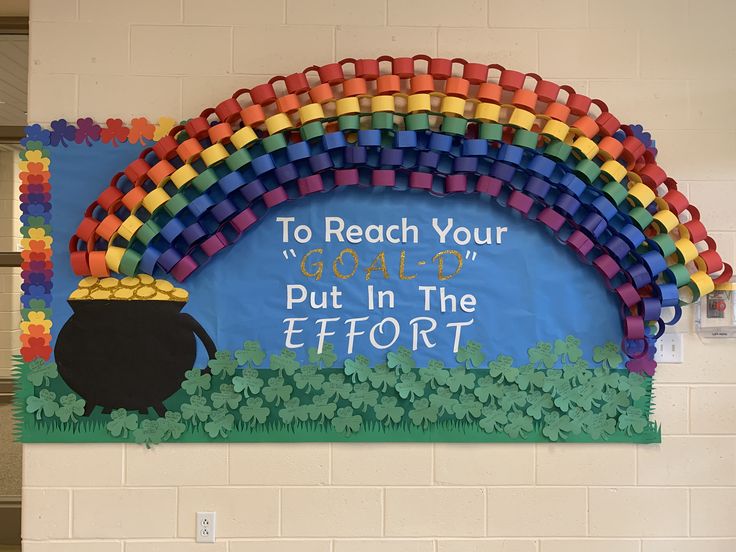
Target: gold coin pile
[131,288]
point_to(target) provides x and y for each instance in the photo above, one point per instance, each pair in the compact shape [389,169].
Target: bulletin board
[398,249]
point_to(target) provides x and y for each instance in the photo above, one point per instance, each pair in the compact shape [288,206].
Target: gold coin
[145,292]
[123,293]
[109,283]
[79,294]
[100,294]
[180,294]
[145,279]
[163,285]
[89,281]
[130,281]
[161,297]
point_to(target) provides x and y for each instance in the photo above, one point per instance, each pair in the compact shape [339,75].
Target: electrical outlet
[670,349]
[206,526]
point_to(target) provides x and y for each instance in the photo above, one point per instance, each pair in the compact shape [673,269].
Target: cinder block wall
[666,64]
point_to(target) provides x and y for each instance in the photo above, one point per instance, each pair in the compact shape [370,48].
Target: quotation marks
[469,256]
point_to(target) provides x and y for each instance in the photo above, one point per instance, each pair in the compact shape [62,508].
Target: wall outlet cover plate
[205,527]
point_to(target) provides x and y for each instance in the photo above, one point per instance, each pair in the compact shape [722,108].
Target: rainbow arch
[419,124]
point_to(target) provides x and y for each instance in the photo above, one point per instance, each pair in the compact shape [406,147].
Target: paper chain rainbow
[555,156]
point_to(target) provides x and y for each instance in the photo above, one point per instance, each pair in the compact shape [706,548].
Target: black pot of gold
[127,343]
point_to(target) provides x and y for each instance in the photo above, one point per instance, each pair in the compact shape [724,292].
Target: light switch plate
[205,527]
[670,349]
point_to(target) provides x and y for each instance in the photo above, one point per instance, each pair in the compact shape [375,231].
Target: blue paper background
[528,289]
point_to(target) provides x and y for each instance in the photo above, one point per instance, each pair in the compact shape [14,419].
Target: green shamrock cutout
[220,424]
[552,380]
[518,425]
[567,394]
[596,381]
[487,388]
[382,377]
[588,395]
[285,363]
[251,355]
[511,398]
[614,402]
[35,223]
[529,377]
[608,355]
[293,411]
[43,405]
[632,421]
[460,379]
[539,403]
[503,368]
[606,377]
[443,401]
[223,364]
[172,426]
[70,406]
[150,432]
[277,391]
[423,413]
[435,374]
[321,408]
[36,305]
[577,419]
[34,145]
[569,348]
[196,381]
[467,408]
[388,412]
[336,386]
[401,360]
[471,355]
[542,353]
[634,384]
[41,373]
[254,412]
[346,422]
[556,426]
[248,382]
[598,426]
[327,358]
[197,410]
[358,369]
[494,419]
[363,396]
[122,423]
[226,397]
[309,378]
[578,372]
[410,387]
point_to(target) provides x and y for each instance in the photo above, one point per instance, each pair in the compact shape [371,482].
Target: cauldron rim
[80,306]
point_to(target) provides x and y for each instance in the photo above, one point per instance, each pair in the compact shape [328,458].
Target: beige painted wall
[667,64]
